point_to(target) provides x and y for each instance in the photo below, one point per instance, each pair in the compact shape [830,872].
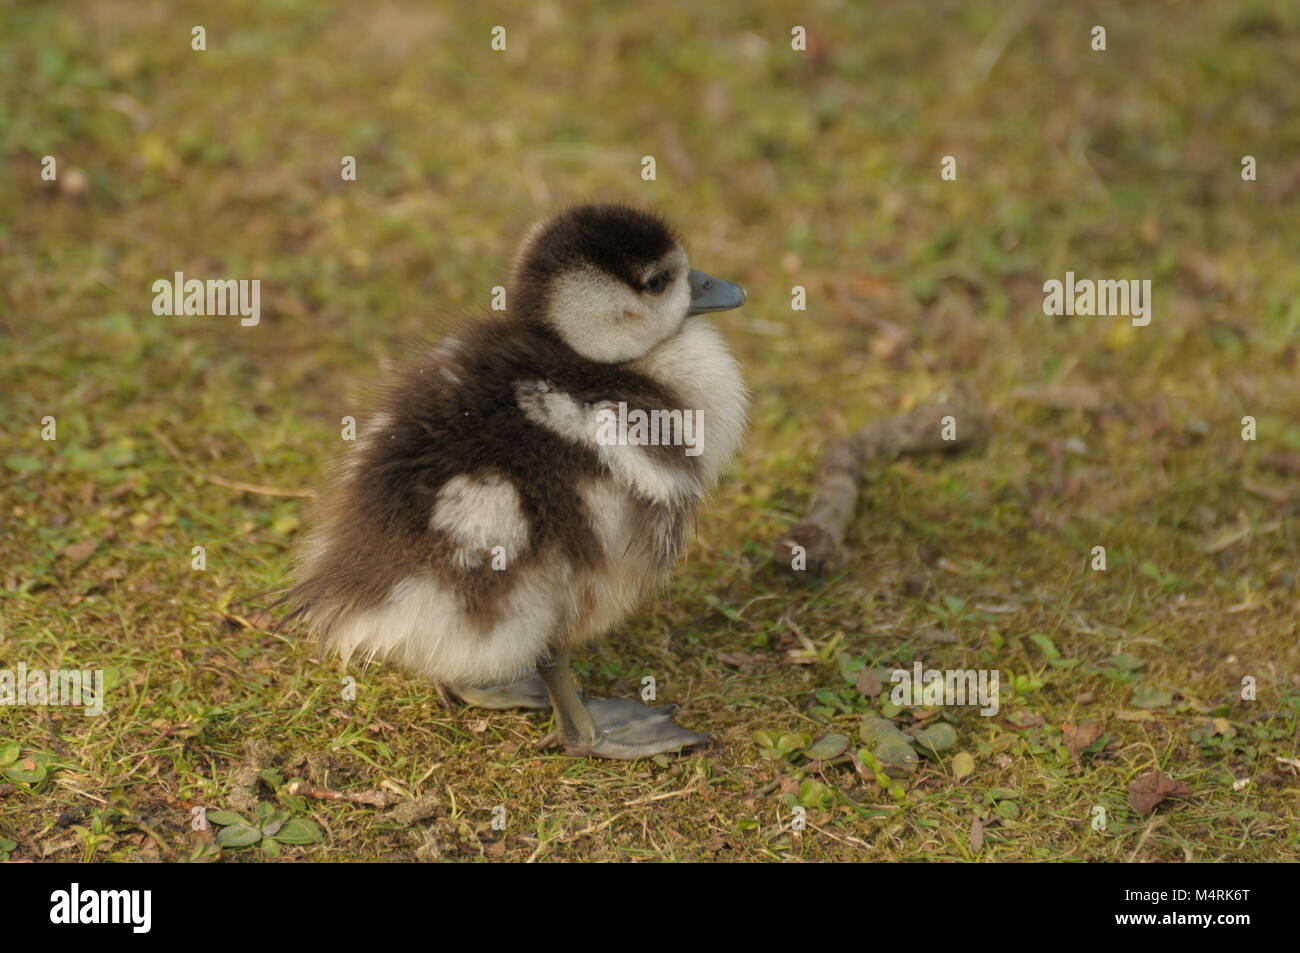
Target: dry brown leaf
[411,812]
[79,551]
[746,662]
[1287,464]
[1152,788]
[1078,737]
[868,683]
[260,619]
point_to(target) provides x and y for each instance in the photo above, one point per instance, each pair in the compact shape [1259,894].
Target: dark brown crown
[620,240]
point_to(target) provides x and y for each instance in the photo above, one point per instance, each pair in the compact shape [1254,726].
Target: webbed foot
[608,727]
[627,730]
[527,692]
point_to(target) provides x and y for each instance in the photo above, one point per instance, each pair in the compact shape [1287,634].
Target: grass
[818,169]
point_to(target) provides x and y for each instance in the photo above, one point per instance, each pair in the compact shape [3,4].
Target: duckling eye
[658,283]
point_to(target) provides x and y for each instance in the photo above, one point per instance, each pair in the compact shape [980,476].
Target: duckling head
[613,282]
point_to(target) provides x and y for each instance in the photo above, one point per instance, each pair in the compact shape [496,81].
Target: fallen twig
[815,545]
[257,488]
[368,798]
[661,797]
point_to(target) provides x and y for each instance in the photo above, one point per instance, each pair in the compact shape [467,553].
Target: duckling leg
[527,692]
[574,726]
[610,727]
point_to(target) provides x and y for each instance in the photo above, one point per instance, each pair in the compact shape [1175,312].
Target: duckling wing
[444,509]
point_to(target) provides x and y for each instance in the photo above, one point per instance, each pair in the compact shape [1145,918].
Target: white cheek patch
[581,423]
[479,514]
[602,318]
[674,303]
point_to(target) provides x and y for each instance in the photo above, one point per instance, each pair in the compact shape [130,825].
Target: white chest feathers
[697,366]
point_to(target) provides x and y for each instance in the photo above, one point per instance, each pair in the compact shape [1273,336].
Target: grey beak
[713,294]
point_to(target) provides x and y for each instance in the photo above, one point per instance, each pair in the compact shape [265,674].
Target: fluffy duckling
[495,517]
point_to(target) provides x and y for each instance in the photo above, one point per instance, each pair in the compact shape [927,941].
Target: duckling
[491,520]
